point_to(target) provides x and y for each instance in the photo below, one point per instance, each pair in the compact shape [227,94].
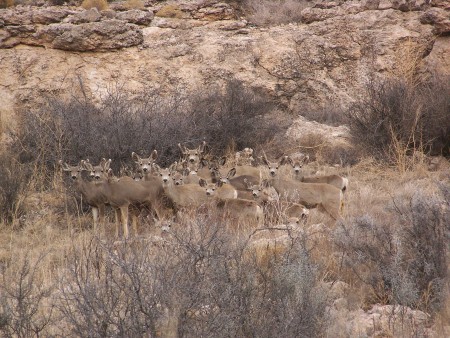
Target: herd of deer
[240,193]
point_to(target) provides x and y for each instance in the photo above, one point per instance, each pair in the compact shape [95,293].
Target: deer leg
[117,222]
[95,217]
[124,214]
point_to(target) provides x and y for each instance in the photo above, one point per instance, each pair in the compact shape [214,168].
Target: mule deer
[325,196]
[186,195]
[192,155]
[240,170]
[145,165]
[123,193]
[219,189]
[274,207]
[91,192]
[274,166]
[244,157]
[338,181]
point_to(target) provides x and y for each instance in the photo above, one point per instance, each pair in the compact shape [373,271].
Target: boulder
[136,16]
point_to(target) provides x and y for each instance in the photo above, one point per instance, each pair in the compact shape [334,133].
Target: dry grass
[134,4]
[52,236]
[101,5]
[170,11]
[6,3]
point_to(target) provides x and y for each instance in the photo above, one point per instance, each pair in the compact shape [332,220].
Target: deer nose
[177,183]
[191,160]
[272,173]
[208,193]
[74,177]
[255,194]
[165,180]
[145,169]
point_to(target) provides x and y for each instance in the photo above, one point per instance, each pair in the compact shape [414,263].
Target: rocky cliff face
[322,61]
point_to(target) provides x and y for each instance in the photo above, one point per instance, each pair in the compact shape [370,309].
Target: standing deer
[124,193]
[185,195]
[192,156]
[241,170]
[325,196]
[90,190]
[268,197]
[145,165]
[338,181]
[237,211]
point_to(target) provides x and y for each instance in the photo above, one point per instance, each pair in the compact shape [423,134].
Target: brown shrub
[134,4]
[170,11]
[6,3]
[101,5]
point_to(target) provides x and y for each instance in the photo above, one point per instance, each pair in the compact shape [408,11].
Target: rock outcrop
[323,60]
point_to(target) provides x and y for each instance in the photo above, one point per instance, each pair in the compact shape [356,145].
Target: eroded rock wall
[322,61]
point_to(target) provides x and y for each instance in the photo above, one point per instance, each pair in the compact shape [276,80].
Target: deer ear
[182,148]
[222,160]
[202,147]
[264,159]
[283,160]
[154,155]
[202,183]
[135,157]
[64,165]
[231,173]
[86,165]
[156,167]
[106,164]
[110,173]
[265,184]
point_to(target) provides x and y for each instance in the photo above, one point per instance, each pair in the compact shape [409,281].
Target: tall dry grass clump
[134,4]
[101,5]
[405,115]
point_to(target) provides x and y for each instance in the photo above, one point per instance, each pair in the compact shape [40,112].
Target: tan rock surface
[302,66]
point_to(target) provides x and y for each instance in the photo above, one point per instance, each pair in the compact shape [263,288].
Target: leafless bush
[403,260]
[395,118]
[124,122]
[194,282]
[13,179]
[329,115]
[25,307]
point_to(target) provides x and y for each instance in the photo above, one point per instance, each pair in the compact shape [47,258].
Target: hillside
[273,94]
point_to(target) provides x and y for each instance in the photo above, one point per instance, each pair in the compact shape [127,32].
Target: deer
[124,192]
[335,180]
[268,197]
[235,209]
[219,189]
[326,197]
[145,165]
[90,190]
[192,156]
[184,195]
[244,157]
[239,183]
[240,170]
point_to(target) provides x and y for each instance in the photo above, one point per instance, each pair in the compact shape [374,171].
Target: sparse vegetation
[134,4]
[192,276]
[395,121]
[170,11]
[101,5]
[6,3]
